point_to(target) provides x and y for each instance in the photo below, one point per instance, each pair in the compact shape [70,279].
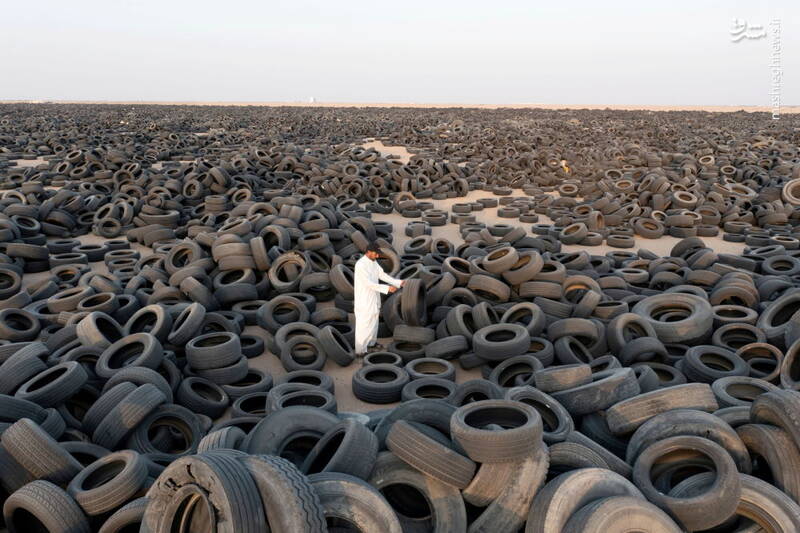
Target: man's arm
[383,276]
[362,280]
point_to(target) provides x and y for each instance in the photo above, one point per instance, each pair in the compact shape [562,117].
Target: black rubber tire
[700,511]
[476,390]
[413,334]
[153,319]
[560,498]
[55,385]
[336,346]
[563,377]
[126,518]
[290,433]
[320,399]
[18,325]
[446,347]
[613,462]
[187,324]
[202,396]
[302,352]
[689,422]
[557,423]
[252,404]
[39,453]
[229,438]
[521,434]
[181,423]
[517,371]
[528,315]
[252,345]
[315,378]
[705,364]
[43,506]
[213,350]
[616,513]
[690,330]
[223,478]
[379,383]
[431,367]
[501,341]
[429,412]
[21,366]
[567,456]
[14,475]
[85,452]
[139,375]
[767,506]
[607,388]
[140,349]
[349,447]
[104,404]
[433,388]
[98,330]
[429,456]
[775,451]
[379,358]
[627,415]
[352,503]
[624,328]
[287,496]
[271,320]
[413,309]
[509,510]
[443,508]
[109,482]
[779,408]
[126,415]
[739,390]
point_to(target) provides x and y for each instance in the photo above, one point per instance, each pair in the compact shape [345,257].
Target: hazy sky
[494,52]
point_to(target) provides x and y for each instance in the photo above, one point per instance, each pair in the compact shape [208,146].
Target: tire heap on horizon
[618,390]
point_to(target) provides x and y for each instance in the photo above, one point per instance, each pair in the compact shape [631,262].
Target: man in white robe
[368,290]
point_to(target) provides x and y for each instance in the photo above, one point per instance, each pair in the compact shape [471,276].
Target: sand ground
[342,376]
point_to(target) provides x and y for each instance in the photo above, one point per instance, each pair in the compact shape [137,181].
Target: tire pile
[619,391]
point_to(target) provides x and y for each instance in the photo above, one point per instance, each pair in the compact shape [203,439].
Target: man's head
[373,251]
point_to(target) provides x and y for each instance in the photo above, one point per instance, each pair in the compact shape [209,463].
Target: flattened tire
[620,513]
[566,494]
[627,415]
[767,506]
[353,503]
[290,501]
[444,503]
[229,497]
[508,511]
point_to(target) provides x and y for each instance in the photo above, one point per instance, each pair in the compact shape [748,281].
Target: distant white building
[311,100]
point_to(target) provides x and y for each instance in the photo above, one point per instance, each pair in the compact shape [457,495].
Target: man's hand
[392,289]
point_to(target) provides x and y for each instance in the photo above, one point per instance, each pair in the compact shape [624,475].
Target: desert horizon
[789,109]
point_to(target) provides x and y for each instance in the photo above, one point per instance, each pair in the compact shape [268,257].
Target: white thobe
[367,304]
